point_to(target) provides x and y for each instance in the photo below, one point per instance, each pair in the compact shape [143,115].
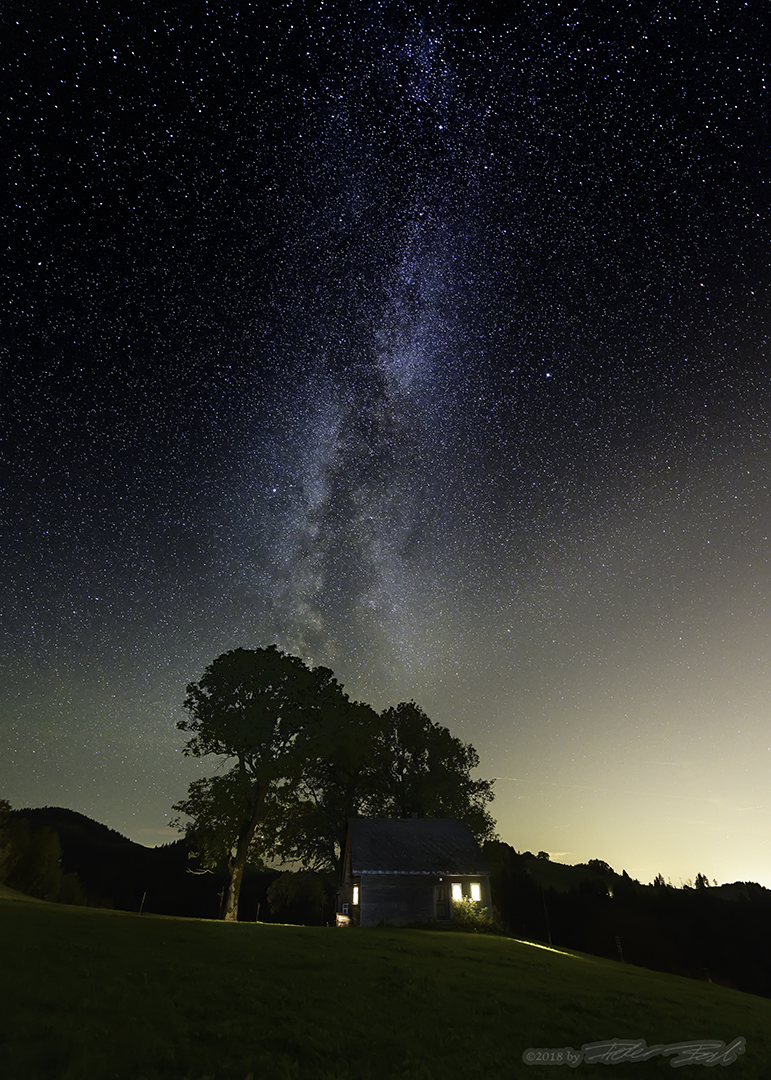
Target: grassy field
[12,894]
[87,994]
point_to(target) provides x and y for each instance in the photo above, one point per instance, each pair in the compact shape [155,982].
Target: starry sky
[427,341]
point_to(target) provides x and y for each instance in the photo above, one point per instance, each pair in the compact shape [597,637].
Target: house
[406,870]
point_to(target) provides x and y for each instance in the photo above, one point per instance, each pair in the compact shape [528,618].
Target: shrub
[470,918]
[300,894]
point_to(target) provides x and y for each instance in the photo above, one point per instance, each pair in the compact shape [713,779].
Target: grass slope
[88,994]
[7,893]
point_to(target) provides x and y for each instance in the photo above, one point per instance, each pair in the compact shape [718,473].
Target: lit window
[356,894]
[476,892]
[457,891]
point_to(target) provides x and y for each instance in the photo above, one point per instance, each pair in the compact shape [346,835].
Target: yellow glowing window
[356,894]
[476,892]
[457,891]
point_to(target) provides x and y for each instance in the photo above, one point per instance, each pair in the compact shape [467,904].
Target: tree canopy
[396,764]
[333,788]
[419,768]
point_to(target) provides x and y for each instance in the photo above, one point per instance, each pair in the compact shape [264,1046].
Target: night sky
[429,343]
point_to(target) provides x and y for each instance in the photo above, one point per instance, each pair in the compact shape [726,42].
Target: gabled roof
[413,846]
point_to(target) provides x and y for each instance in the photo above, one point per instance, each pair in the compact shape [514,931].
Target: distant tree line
[31,860]
[720,934]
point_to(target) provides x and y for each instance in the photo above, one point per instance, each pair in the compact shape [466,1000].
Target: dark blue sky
[429,344]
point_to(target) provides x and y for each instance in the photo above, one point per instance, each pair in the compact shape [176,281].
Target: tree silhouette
[420,768]
[265,715]
[394,765]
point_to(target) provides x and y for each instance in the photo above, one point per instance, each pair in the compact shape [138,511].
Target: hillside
[716,934]
[89,994]
[74,829]
[719,934]
[115,872]
[6,893]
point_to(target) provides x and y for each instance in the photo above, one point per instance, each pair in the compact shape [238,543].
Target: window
[476,891]
[457,891]
[355,894]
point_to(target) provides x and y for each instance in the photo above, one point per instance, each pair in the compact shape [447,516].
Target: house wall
[345,900]
[487,898]
[398,899]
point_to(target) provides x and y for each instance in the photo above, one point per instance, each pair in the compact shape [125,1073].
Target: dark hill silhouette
[717,933]
[76,827]
[117,872]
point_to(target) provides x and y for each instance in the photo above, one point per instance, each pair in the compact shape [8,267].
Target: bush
[301,895]
[470,918]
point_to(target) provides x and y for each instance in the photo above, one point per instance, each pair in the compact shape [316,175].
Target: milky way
[427,342]
[391,274]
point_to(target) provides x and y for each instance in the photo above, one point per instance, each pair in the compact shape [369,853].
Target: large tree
[419,768]
[395,764]
[334,787]
[265,716]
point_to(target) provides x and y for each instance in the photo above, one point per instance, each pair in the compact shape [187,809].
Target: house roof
[414,846]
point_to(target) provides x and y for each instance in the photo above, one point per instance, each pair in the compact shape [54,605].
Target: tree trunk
[237,865]
[230,914]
